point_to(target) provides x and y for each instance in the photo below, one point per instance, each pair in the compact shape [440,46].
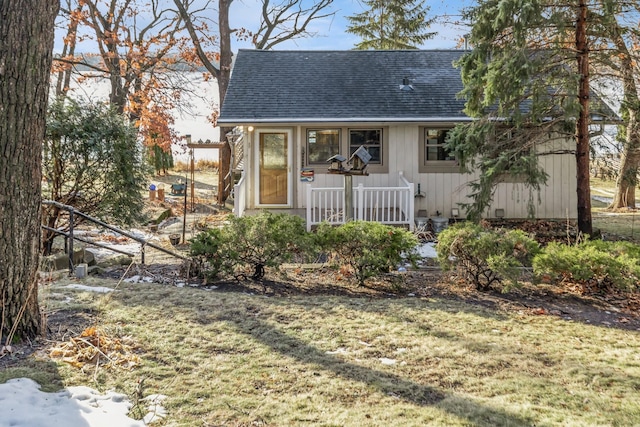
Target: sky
[330,33]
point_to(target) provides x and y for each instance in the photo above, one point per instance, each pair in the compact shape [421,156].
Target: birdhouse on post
[360,159]
[336,163]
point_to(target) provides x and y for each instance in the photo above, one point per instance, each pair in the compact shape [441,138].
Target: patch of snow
[387,361]
[139,279]
[427,250]
[24,405]
[155,408]
[99,289]
[339,350]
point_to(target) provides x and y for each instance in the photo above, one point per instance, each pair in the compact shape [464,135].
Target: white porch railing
[388,205]
[239,196]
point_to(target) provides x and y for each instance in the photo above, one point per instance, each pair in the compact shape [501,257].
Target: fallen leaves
[96,348]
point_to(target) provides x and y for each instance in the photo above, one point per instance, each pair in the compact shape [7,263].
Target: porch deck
[388,205]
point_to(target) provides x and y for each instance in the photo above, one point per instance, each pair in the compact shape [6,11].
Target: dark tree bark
[26,44]
[585,224]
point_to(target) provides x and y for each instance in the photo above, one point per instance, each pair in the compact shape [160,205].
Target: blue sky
[331,34]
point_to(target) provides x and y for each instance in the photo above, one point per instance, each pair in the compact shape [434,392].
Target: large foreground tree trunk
[26,44]
[224,187]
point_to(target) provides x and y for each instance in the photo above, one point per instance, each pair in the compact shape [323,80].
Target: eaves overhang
[246,121]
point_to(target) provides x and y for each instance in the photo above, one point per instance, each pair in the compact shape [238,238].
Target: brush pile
[94,347]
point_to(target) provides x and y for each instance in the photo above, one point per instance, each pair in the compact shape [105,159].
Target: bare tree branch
[287,20]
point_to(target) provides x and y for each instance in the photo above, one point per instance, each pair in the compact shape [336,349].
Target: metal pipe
[111,227]
[80,239]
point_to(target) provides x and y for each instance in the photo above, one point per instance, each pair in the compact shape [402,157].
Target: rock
[163,215]
[115,260]
[89,258]
[55,262]
[95,270]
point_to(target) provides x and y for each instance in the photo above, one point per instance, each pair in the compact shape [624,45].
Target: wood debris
[95,347]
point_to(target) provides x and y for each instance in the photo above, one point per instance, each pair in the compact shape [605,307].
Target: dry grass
[616,224]
[239,359]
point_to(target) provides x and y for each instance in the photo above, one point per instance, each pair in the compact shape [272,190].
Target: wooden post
[193,206]
[348,197]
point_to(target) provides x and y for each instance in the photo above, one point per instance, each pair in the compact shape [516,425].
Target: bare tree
[288,20]
[26,45]
[281,21]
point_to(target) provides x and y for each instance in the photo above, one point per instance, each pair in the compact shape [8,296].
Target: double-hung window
[322,144]
[434,155]
[371,139]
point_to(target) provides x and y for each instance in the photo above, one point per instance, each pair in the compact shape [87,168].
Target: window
[435,157]
[371,139]
[435,149]
[322,144]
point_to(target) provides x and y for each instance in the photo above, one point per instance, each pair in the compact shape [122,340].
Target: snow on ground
[98,289]
[427,250]
[24,405]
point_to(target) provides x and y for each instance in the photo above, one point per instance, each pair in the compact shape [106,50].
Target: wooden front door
[273,153]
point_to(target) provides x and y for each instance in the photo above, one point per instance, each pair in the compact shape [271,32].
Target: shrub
[486,257]
[265,240]
[594,262]
[208,257]
[255,242]
[92,161]
[368,248]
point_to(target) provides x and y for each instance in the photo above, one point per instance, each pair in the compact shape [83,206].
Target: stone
[89,258]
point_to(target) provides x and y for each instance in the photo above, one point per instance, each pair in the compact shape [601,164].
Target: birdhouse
[360,159]
[335,162]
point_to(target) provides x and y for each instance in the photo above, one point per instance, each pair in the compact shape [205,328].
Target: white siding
[444,191]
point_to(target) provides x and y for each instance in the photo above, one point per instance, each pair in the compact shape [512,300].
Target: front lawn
[412,355]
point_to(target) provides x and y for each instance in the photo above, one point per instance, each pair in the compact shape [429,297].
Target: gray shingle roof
[313,86]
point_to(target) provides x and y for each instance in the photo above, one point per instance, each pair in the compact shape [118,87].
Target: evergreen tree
[160,159]
[527,79]
[391,24]
[92,161]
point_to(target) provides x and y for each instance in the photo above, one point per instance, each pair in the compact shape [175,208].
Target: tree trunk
[582,127]
[223,76]
[26,44]
[630,161]
[627,180]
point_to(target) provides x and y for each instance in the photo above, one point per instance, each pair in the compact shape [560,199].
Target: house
[298,109]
